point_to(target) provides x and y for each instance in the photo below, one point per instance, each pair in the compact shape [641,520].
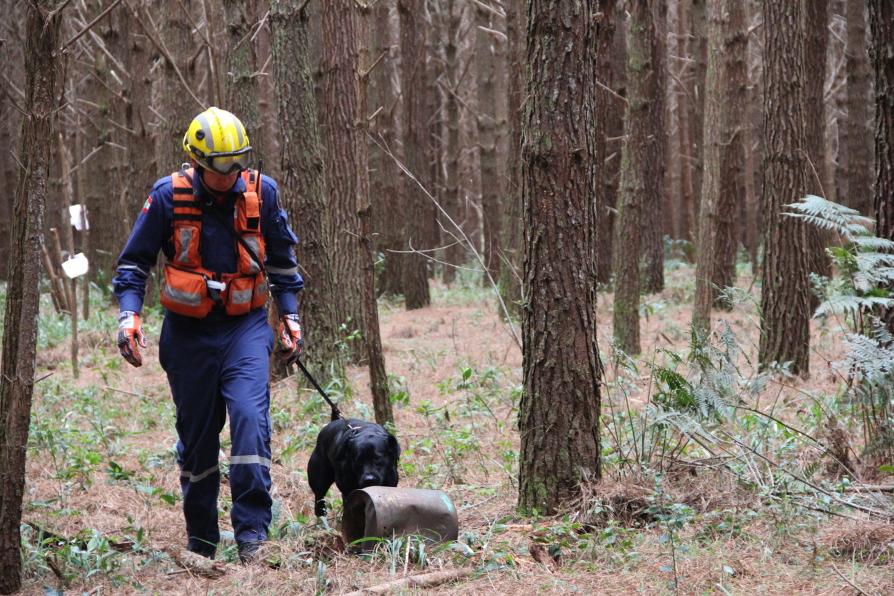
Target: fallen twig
[849,582]
[424,580]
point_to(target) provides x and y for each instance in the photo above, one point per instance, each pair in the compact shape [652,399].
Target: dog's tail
[335,414]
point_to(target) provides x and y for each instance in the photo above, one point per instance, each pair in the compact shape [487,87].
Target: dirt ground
[102,477]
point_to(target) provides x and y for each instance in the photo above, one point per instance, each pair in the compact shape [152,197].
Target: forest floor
[697,497]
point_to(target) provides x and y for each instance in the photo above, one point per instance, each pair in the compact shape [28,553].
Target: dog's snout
[369,480]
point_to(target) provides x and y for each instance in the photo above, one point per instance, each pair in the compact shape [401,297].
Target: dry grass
[461,441]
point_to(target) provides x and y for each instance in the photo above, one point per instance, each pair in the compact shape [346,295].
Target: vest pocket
[240,291]
[185,293]
[259,298]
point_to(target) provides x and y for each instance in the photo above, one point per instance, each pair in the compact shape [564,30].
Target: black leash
[336,413]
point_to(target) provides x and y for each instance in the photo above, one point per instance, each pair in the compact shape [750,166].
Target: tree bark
[341,139]
[303,186]
[559,410]
[172,100]
[243,89]
[512,244]
[699,49]
[378,377]
[386,190]
[724,156]
[816,18]
[412,37]
[612,72]
[452,239]
[881,19]
[859,112]
[634,176]
[653,212]
[686,224]
[42,27]
[486,51]
[785,294]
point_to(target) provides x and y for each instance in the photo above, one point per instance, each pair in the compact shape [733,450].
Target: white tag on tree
[75,266]
[78,216]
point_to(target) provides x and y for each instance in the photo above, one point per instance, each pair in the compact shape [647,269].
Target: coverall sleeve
[280,258]
[149,232]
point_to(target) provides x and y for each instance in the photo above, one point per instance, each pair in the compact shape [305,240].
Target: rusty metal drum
[384,512]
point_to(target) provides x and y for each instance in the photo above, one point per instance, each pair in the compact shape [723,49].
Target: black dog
[353,454]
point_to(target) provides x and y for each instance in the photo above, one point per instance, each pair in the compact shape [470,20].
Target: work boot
[204,549]
[248,551]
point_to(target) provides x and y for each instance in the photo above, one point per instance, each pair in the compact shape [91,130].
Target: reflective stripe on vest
[186,284]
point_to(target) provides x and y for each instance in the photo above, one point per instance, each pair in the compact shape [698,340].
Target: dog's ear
[393,448]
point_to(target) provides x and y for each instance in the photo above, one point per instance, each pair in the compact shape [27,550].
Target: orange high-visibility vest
[192,290]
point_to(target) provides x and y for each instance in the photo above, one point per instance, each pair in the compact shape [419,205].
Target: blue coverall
[216,364]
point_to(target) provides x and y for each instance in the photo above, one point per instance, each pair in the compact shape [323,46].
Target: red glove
[291,338]
[131,335]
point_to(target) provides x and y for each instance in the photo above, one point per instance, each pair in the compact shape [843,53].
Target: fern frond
[874,243]
[831,216]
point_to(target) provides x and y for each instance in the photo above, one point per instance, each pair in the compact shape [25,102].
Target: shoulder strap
[186,208]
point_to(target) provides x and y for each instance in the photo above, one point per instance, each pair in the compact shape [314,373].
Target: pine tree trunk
[634,176]
[686,147]
[486,50]
[7,167]
[611,71]
[559,411]
[451,238]
[172,100]
[378,378]
[512,244]
[412,37]
[243,90]
[754,122]
[654,213]
[722,184]
[785,294]
[42,40]
[343,170]
[386,189]
[816,18]
[699,49]
[859,112]
[303,188]
[881,19]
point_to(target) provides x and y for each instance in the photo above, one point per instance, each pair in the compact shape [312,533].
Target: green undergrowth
[716,476]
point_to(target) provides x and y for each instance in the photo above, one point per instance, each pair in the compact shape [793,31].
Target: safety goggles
[224,164]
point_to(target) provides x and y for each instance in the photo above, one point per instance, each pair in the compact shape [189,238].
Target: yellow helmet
[217,141]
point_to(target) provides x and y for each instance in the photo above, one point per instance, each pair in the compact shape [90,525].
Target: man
[226,241]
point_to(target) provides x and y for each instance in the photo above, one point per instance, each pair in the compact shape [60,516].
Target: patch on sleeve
[147,204]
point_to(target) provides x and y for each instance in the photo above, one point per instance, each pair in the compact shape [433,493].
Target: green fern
[866,262]
[713,394]
[870,365]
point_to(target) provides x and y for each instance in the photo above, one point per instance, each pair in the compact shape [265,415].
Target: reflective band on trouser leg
[251,459]
[200,417]
[201,476]
[244,387]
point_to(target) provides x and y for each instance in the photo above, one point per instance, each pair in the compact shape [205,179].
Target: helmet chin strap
[217,194]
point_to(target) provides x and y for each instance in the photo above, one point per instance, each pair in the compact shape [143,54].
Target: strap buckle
[214,290]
